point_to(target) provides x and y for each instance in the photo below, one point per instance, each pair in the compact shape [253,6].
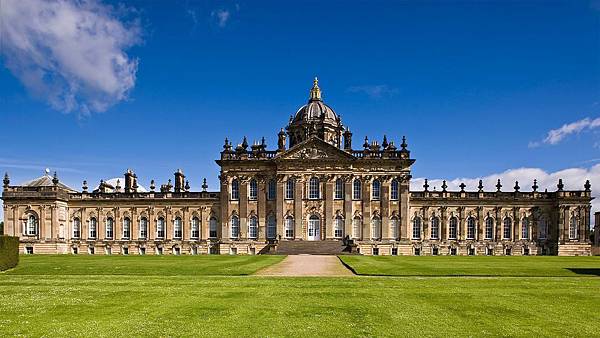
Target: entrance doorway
[314,228]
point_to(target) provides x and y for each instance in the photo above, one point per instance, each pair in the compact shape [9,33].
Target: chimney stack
[179,181]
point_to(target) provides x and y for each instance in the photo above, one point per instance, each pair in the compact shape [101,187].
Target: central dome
[315,110]
[315,118]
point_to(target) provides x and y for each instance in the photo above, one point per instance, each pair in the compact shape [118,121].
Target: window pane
[313,188]
[417,228]
[289,227]
[235,190]
[435,228]
[235,227]
[394,190]
[289,189]
[271,227]
[212,227]
[376,193]
[357,190]
[253,189]
[271,193]
[339,189]
[253,227]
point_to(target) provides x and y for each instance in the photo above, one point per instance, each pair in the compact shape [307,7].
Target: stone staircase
[326,247]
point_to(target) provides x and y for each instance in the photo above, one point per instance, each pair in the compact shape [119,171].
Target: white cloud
[573,179]
[70,53]
[222,16]
[374,91]
[555,136]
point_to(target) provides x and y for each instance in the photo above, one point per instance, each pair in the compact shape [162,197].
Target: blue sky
[480,89]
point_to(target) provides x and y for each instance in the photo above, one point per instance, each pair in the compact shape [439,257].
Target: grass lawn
[516,266]
[141,300]
[217,265]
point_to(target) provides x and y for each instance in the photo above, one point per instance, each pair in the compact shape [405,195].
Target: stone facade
[318,188]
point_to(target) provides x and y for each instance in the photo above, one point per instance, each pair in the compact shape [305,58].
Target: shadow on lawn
[585,271]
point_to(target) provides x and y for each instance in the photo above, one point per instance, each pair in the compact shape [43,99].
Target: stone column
[243,204]
[443,224]
[327,224]
[366,206]
[262,206]
[279,205]
[298,219]
[425,232]
[384,204]
[516,224]
[404,208]
[348,215]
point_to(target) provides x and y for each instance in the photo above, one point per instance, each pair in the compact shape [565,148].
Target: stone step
[326,247]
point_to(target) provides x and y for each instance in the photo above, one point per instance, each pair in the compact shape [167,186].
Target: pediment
[314,149]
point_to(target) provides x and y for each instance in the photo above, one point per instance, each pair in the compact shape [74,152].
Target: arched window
[253,189]
[471,228]
[271,227]
[235,190]
[126,227]
[76,228]
[289,227]
[195,227]
[339,189]
[452,228]
[489,228]
[394,190]
[212,227]
[160,228]
[543,228]
[376,227]
[338,227]
[110,224]
[177,228]
[507,227]
[525,228]
[235,227]
[356,227]
[573,228]
[313,188]
[93,227]
[394,227]
[253,227]
[271,191]
[376,193]
[416,228]
[30,228]
[356,190]
[143,228]
[289,189]
[435,228]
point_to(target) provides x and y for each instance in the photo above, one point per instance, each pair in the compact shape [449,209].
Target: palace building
[315,193]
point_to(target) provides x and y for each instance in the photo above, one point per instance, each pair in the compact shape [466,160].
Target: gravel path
[307,265]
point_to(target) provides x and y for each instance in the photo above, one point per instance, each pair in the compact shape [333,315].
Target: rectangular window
[339,189]
[29,250]
[357,190]
[435,251]
[375,251]
[417,251]
[313,189]
[394,190]
[271,192]
[253,190]
[289,189]
[394,252]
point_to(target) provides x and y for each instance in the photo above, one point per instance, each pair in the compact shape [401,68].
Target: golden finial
[315,92]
